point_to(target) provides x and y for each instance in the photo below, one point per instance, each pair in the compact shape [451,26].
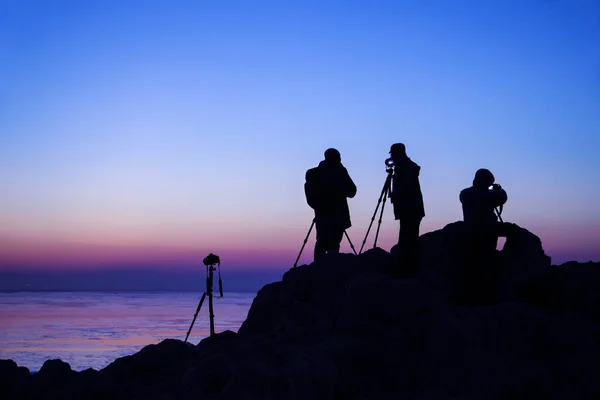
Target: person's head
[483,178]
[333,156]
[398,150]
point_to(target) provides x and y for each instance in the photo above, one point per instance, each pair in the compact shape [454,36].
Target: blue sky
[191,124]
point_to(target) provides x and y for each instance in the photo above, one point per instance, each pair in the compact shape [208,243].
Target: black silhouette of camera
[211,259]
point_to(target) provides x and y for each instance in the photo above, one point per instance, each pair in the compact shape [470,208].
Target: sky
[146,134]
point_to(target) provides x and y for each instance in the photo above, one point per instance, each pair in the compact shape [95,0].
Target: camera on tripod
[211,260]
[389,165]
[385,193]
[496,186]
[212,263]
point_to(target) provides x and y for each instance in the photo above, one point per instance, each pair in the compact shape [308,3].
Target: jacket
[406,193]
[327,190]
[478,204]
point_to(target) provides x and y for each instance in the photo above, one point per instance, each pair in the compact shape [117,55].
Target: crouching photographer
[482,204]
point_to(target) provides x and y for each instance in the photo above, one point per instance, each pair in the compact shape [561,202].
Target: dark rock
[54,375]
[14,380]
[266,311]
[357,327]
[221,337]
[11,373]
[306,377]
[248,380]
[576,285]
[54,370]
[153,372]
[378,260]
[208,376]
[521,260]
[444,262]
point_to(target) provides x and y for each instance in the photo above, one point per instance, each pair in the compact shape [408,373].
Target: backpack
[312,188]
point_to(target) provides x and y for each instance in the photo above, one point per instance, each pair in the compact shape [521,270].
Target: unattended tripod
[385,192]
[306,239]
[210,261]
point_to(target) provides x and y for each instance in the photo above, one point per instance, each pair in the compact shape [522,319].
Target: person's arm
[350,186]
[344,184]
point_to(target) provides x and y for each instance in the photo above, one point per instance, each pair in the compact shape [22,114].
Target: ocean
[91,329]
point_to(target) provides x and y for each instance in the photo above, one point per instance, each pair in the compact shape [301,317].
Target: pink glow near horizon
[252,248]
[39,252]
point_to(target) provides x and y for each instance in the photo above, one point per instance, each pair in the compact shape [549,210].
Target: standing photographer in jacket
[407,200]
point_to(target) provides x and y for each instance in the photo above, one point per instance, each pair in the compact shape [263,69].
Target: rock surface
[345,328]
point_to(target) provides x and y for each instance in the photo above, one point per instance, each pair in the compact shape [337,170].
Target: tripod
[499,213]
[306,239]
[210,261]
[385,192]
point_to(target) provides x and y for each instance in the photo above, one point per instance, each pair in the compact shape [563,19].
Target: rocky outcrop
[345,327]
[14,380]
[444,263]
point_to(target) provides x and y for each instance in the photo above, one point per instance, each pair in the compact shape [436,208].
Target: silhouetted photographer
[481,204]
[327,189]
[407,200]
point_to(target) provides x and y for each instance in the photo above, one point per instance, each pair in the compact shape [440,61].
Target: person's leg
[410,244]
[336,239]
[321,243]
[404,261]
[334,235]
[481,279]
[414,244]
[491,277]
[401,232]
[401,255]
[472,272]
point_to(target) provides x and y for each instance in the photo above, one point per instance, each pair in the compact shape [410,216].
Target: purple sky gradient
[156,132]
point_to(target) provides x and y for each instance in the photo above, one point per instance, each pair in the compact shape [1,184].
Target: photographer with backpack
[327,188]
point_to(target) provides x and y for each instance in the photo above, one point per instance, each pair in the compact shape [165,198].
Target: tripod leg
[211,314]
[379,223]
[349,241]
[195,316]
[381,196]
[304,244]
[499,214]
[372,220]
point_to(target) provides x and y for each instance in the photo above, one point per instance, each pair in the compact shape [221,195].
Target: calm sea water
[90,330]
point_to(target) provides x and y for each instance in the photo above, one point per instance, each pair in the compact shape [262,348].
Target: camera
[389,165]
[211,259]
[495,186]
